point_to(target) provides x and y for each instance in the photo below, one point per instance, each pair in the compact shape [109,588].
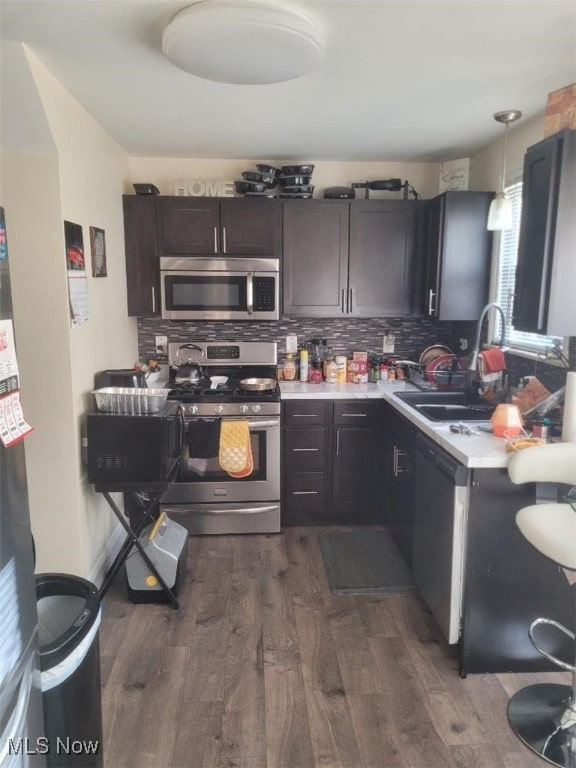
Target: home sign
[204,188]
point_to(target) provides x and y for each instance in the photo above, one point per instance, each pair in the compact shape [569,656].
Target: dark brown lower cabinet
[398,470]
[357,487]
[331,463]
[508,584]
[305,470]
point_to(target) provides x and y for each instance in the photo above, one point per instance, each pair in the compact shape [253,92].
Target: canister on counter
[341,373]
[289,369]
[539,429]
[331,372]
[304,370]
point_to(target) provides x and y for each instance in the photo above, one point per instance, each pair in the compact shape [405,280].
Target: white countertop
[477,451]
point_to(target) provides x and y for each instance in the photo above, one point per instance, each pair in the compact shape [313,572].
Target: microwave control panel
[264,294]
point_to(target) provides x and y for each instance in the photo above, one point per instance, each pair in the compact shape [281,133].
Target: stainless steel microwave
[219,289]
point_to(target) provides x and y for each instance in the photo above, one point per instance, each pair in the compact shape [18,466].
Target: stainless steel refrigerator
[22,741]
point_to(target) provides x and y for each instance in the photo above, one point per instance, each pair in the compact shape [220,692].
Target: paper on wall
[78,295]
[13,427]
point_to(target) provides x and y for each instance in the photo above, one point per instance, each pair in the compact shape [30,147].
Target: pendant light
[500,214]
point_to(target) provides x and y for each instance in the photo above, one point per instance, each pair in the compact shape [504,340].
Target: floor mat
[364,562]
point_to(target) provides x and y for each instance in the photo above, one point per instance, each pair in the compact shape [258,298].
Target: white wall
[166,173]
[486,165]
[485,168]
[81,181]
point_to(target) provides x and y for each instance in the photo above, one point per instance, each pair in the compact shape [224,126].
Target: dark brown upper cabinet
[455,251]
[352,259]
[315,258]
[195,226]
[381,257]
[142,265]
[546,271]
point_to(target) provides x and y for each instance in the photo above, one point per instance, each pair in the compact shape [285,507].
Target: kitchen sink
[447,406]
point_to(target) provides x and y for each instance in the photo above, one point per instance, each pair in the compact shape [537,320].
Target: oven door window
[205,292]
[209,470]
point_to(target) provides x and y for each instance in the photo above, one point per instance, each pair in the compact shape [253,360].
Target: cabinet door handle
[223,239]
[351,301]
[304,493]
[338,443]
[215,239]
[342,301]
[305,450]
[399,454]
[356,415]
[153,298]
[431,309]
[395,462]
[304,415]
[249,288]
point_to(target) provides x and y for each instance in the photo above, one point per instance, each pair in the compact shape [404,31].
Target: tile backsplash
[344,335]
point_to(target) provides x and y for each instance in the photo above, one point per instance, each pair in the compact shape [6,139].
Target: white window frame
[529,345]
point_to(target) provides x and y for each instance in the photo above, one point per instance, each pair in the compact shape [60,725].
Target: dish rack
[132,401]
[438,381]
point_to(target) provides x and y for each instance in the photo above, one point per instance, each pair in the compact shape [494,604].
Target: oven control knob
[192,409]
[218,409]
[243,409]
[255,409]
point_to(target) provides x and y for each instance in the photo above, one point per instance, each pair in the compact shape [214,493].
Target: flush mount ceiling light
[500,213]
[242,41]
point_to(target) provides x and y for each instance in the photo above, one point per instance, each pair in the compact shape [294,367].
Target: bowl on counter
[296,195]
[294,181]
[268,170]
[260,178]
[243,187]
[297,170]
[306,189]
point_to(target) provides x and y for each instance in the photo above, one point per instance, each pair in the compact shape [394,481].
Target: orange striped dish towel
[235,454]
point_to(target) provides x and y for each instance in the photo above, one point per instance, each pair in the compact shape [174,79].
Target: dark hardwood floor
[262,667]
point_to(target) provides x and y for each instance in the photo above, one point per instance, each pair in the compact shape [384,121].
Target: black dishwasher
[439,544]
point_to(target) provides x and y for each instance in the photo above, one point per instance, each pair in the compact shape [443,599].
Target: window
[507,257]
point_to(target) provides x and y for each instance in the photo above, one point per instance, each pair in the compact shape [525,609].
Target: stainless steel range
[219,382]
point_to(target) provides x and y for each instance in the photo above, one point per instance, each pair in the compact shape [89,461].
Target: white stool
[544,715]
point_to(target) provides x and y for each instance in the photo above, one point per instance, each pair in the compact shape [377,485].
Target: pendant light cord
[504,157]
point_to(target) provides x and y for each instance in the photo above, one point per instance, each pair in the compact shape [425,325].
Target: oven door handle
[241,510]
[263,424]
[250,293]
[252,425]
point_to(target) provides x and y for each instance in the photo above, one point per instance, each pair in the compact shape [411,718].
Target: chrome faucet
[476,349]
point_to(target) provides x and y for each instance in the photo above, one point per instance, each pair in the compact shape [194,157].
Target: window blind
[507,259]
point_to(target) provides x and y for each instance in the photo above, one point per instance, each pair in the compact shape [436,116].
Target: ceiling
[400,80]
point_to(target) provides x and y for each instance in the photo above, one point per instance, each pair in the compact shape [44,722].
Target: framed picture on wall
[74,247]
[98,249]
